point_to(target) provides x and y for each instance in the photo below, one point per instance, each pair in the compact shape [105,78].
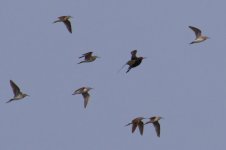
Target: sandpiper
[137,122]
[88,57]
[84,91]
[134,61]
[65,20]
[198,33]
[17,93]
[156,124]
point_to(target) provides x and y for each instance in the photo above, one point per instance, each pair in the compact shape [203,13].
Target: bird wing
[196,30]
[15,88]
[141,127]
[68,25]
[86,98]
[157,128]
[128,124]
[133,53]
[134,126]
[78,91]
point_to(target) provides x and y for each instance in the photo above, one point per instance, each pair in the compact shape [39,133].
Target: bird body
[84,91]
[88,57]
[198,34]
[65,20]
[16,91]
[137,122]
[134,63]
[154,120]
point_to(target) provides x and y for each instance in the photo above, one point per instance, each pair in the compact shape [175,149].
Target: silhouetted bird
[134,61]
[65,20]
[198,33]
[17,93]
[137,122]
[84,91]
[88,57]
[156,124]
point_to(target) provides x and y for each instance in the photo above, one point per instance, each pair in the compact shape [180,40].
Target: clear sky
[185,84]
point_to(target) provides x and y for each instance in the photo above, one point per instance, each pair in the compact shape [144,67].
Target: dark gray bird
[137,122]
[84,91]
[17,93]
[154,120]
[198,35]
[88,57]
[134,61]
[65,20]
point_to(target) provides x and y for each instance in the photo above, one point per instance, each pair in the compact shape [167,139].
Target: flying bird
[84,91]
[17,93]
[137,122]
[88,57]
[156,124]
[65,20]
[134,61]
[198,35]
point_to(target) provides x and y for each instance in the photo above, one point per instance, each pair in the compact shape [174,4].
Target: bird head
[25,95]
[69,17]
[89,88]
[143,58]
[159,117]
[96,56]
[206,37]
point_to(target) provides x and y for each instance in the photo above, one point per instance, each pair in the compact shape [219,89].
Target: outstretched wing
[141,127]
[133,53]
[196,30]
[78,91]
[15,88]
[86,98]
[157,128]
[68,25]
[134,126]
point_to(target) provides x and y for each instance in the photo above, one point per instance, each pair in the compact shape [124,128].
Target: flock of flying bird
[132,63]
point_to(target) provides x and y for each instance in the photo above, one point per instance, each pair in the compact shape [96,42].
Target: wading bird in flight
[88,57]
[154,120]
[84,91]
[137,122]
[198,35]
[16,91]
[65,20]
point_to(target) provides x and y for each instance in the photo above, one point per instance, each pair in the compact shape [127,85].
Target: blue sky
[183,83]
